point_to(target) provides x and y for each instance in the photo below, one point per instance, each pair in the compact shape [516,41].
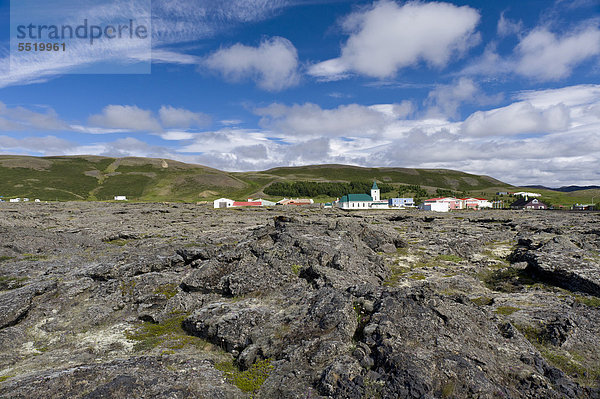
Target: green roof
[356,197]
[374,186]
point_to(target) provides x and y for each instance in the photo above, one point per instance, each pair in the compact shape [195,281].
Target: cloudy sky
[509,89]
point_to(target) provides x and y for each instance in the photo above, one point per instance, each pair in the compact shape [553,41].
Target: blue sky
[510,89]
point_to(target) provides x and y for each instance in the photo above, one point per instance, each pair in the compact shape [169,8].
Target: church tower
[375,192]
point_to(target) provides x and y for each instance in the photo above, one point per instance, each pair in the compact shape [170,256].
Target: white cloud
[544,56]
[445,100]
[517,118]
[181,118]
[20,118]
[127,117]
[346,120]
[48,145]
[507,27]
[176,136]
[273,65]
[387,37]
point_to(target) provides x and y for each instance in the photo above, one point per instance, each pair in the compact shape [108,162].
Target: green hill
[67,178]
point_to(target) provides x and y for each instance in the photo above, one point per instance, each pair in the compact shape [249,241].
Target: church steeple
[375,192]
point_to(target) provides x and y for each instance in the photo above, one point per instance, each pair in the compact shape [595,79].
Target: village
[363,201]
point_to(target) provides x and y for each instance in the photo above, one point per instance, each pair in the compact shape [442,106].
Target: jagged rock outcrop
[161,300]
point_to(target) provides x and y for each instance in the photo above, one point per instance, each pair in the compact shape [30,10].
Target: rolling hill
[84,178]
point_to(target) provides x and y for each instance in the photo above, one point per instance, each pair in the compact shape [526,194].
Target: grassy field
[69,178]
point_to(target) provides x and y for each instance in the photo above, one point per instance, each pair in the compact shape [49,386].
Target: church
[363,201]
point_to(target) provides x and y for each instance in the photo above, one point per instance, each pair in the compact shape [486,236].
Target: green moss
[449,258]
[11,283]
[572,363]
[248,380]
[448,389]
[417,276]
[5,377]
[168,334]
[506,280]
[127,287]
[506,310]
[34,257]
[168,290]
[119,242]
[5,258]
[397,272]
[482,301]
[591,301]
[296,269]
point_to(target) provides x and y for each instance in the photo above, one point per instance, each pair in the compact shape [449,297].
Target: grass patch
[571,363]
[168,290]
[5,258]
[482,301]
[169,334]
[119,242]
[506,310]
[397,272]
[34,257]
[591,301]
[506,280]
[248,380]
[417,276]
[5,377]
[11,283]
[449,258]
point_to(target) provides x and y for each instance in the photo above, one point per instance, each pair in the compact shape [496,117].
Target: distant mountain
[566,189]
[84,178]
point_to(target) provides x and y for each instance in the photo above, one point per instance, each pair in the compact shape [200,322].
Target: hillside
[67,178]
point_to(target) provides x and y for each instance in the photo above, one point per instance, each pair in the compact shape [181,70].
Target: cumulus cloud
[346,120]
[517,118]
[387,37]
[128,117]
[545,56]
[273,65]
[542,55]
[47,145]
[20,118]
[445,100]
[121,118]
[180,118]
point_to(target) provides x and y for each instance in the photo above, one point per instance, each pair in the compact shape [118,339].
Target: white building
[363,201]
[526,194]
[223,203]
[436,206]
[120,198]
[15,200]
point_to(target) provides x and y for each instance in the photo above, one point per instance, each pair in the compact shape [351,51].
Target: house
[583,207]
[435,206]
[475,203]
[525,203]
[297,201]
[453,203]
[223,203]
[247,203]
[15,200]
[401,202]
[120,198]
[263,202]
